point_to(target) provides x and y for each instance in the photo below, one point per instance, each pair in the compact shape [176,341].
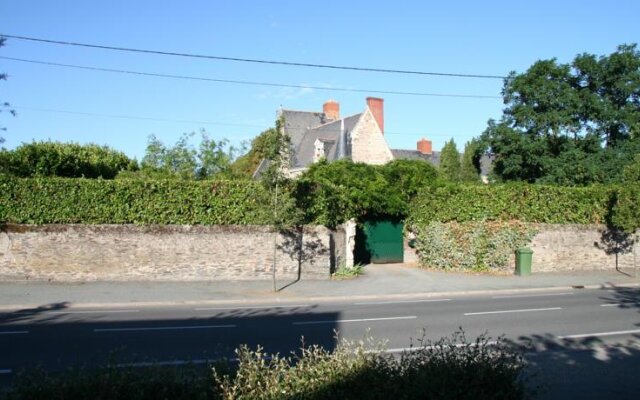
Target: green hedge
[96,201]
[529,203]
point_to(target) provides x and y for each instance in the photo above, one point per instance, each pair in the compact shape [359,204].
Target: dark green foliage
[569,124]
[97,201]
[522,202]
[626,212]
[470,165]
[245,165]
[332,193]
[408,177]
[631,172]
[450,161]
[71,160]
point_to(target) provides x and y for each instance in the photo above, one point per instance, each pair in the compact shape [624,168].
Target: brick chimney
[331,110]
[376,105]
[424,146]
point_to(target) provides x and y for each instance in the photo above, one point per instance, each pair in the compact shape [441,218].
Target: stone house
[360,137]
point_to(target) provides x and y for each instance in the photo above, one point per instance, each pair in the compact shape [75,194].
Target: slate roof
[297,123]
[433,158]
[330,132]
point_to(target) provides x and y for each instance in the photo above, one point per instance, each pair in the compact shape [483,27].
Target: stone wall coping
[148,229]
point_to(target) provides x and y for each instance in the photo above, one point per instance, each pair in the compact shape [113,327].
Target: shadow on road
[55,336]
[586,367]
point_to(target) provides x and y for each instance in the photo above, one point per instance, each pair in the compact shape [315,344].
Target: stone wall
[580,248]
[164,253]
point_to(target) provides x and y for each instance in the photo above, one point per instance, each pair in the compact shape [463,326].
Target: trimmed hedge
[97,201]
[522,202]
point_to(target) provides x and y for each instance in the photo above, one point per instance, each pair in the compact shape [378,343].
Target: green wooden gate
[379,242]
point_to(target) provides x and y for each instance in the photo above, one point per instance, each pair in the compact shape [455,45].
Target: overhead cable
[251,60]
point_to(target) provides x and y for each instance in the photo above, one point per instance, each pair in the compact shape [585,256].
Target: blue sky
[467,37]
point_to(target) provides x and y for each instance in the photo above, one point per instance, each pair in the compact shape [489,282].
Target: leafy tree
[450,161]
[470,166]
[568,123]
[245,165]
[70,160]
[183,160]
[275,147]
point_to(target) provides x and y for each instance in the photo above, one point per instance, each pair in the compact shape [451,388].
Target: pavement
[380,281]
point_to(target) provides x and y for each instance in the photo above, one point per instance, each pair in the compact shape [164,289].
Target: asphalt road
[583,341]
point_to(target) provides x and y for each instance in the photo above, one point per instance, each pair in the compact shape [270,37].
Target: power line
[250,60]
[87,114]
[253,83]
[133,117]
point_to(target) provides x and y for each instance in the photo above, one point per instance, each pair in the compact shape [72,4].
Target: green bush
[97,201]
[70,160]
[626,212]
[472,246]
[451,368]
[522,202]
[332,193]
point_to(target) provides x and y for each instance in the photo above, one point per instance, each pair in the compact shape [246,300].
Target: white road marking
[162,328]
[163,363]
[5,371]
[616,304]
[250,307]
[80,312]
[612,333]
[514,311]
[14,332]
[533,295]
[400,302]
[351,320]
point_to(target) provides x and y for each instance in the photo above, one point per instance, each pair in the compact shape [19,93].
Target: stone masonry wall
[367,142]
[580,248]
[162,253]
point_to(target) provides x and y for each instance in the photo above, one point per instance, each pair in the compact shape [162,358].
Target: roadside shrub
[626,212]
[97,201]
[451,368]
[70,160]
[344,272]
[332,193]
[470,246]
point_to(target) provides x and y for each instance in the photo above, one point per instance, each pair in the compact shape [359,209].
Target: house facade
[316,135]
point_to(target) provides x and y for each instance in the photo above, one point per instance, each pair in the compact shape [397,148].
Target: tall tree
[564,122]
[184,161]
[450,161]
[470,166]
